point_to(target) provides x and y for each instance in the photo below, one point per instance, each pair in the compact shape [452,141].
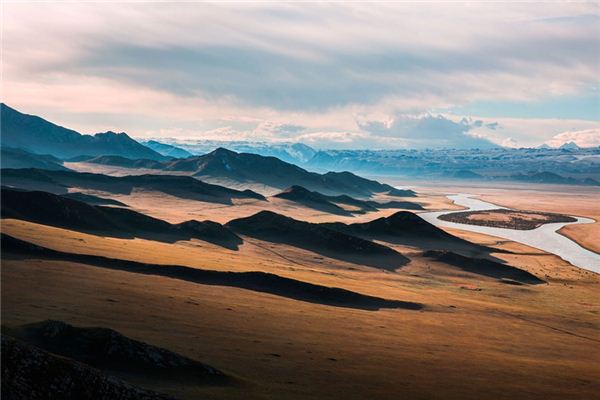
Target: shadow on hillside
[255,281]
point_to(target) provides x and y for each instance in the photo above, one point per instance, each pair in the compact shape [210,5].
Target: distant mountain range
[568,164]
[297,153]
[36,135]
[32,142]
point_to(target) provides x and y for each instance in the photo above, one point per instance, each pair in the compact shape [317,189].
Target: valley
[213,277]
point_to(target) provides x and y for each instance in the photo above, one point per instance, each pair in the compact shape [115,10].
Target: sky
[330,75]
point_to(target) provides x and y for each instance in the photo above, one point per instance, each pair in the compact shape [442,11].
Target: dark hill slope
[314,200]
[178,186]
[256,281]
[122,162]
[111,351]
[30,373]
[404,227]
[50,209]
[37,135]
[330,204]
[18,158]
[484,267]
[273,227]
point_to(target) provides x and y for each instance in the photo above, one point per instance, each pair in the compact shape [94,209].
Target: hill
[120,161]
[109,350]
[29,372]
[37,135]
[50,209]
[245,168]
[59,182]
[404,227]
[313,200]
[331,204]
[277,228]
[253,280]
[18,158]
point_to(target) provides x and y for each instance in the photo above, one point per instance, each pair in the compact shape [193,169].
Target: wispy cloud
[263,68]
[585,138]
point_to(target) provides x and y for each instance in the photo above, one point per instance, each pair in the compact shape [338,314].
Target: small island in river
[505,218]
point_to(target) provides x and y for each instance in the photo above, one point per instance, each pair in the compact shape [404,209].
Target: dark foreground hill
[50,209]
[179,186]
[255,281]
[37,135]
[111,351]
[30,373]
[277,228]
[246,168]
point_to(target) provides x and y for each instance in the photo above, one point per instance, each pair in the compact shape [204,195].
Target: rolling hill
[331,204]
[50,209]
[405,227]
[318,238]
[18,158]
[59,182]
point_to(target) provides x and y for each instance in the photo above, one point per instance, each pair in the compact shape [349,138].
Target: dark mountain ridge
[37,135]
[253,168]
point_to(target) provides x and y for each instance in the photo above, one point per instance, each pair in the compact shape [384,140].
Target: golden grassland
[476,336]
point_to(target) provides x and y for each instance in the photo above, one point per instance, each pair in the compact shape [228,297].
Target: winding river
[545,237]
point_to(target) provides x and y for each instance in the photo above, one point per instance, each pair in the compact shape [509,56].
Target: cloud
[279,71]
[584,138]
[272,129]
[509,142]
[429,131]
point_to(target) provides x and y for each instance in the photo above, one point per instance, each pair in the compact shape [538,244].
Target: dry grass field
[474,335]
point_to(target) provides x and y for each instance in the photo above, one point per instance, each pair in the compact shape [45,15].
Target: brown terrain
[501,320]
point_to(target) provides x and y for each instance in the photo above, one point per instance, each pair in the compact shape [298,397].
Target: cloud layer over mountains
[302,72]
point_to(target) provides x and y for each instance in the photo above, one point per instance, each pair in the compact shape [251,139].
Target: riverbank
[544,238]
